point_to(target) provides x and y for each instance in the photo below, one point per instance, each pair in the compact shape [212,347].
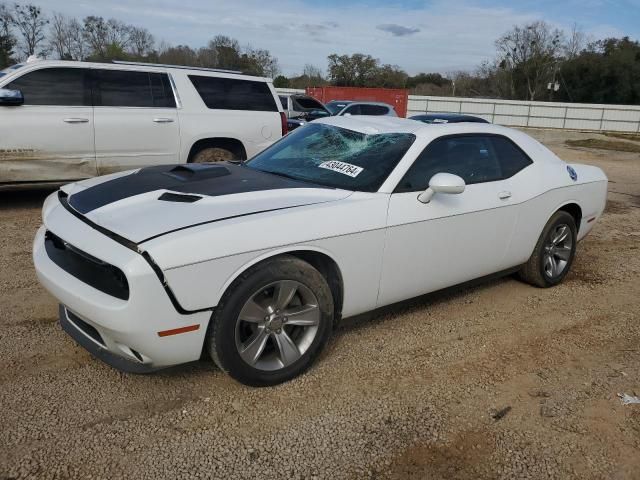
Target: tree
[7,40]
[388,76]
[30,23]
[607,71]
[178,55]
[355,70]
[281,82]
[107,40]
[66,38]
[141,42]
[529,54]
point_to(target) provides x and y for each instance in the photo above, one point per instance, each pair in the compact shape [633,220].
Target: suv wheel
[213,154]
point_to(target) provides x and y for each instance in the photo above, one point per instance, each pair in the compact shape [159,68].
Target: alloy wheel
[277,325]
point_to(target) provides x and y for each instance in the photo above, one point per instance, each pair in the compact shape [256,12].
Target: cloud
[397,30]
[452,35]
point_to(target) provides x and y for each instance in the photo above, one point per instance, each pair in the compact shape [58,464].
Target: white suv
[63,121]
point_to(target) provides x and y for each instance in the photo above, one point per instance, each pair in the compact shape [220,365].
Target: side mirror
[442,183]
[347,115]
[11,97]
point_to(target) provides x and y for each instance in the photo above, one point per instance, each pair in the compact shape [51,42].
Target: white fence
[573,116]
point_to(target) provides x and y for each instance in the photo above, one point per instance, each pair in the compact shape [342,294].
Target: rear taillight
[283,122]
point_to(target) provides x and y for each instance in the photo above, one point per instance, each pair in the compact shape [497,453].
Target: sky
[417,35]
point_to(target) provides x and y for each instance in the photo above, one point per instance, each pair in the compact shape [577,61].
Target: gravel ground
[501,380]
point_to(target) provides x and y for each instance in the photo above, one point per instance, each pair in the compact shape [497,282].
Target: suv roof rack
[219,70]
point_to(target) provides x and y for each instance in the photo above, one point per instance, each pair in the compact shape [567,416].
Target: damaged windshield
[335,157]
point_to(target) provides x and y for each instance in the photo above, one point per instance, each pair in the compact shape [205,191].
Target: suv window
[120,88]
[472,157]
[283,101]
[512,159]
[373,110]
[306,103]
[233,94]
[53,86]
[353,110]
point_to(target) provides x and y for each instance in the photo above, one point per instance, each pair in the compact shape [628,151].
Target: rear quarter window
[234,94]
[512,158]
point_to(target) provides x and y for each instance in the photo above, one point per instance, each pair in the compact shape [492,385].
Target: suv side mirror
[442,183]
[11,97]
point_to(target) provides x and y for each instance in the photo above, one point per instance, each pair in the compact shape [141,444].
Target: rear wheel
[213,154]
[554,253]
[272,323]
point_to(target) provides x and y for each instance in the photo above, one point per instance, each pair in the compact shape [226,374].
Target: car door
[50,137]
[455,237]
[136,120]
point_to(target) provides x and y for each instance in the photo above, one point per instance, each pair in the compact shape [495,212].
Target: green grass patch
[634,137]
[604,145]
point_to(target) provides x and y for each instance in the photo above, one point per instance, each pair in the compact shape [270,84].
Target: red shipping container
[396,97]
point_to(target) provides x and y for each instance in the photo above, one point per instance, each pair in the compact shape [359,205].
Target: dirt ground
[501,380]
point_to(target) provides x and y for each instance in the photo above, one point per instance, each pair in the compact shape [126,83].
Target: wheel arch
[229,143]
[318,258]
[572,208]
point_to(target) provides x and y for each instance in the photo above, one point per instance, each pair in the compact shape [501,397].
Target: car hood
[151,202]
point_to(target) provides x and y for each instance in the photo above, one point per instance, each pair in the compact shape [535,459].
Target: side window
[512,159]
[53,86]
[119,88]
[471,157]
[283,101]
[353,110]
[373,110]
[161,91]
[233,94]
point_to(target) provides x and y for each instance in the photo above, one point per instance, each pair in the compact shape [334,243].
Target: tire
[213,154]
[250,311]
[539,270]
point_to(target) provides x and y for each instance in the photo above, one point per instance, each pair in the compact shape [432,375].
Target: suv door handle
[504,195]
[163,120]
[76,120]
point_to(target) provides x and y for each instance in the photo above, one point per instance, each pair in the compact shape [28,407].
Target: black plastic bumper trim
[111,359]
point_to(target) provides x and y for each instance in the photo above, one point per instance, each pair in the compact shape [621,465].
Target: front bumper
[129,329]
[77,331]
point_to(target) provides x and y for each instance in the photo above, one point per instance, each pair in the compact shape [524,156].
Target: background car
[351,107]
[63,120]
[301,109]
[256,262]
[447,118]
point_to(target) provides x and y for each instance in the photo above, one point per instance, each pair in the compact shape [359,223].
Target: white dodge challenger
[255,262]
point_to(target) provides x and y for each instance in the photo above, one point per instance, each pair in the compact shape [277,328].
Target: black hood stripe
[199,179]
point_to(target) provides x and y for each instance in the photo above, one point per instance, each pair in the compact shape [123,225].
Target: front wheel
[272,323]
[554,252]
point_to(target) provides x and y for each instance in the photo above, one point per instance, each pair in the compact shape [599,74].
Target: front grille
[87,268]
[87,329]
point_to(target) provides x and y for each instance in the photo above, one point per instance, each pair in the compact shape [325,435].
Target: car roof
[450,117]
[133,66]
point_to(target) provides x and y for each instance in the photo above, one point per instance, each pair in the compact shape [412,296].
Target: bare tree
[529,53]
[66,38]
[576,42]
[7,40]
[106,39]
[30,23]
[141,42]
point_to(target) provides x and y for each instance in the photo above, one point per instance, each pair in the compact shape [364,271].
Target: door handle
[504,195]
[76,120]
[163,120]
